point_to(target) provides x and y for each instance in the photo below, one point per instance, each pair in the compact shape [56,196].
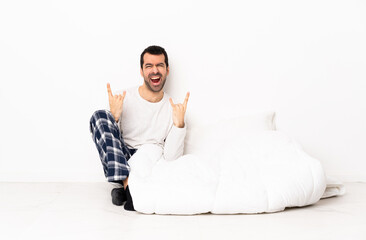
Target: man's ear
[142,74]
[167,71]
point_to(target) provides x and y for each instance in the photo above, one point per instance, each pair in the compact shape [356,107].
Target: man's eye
[148,66]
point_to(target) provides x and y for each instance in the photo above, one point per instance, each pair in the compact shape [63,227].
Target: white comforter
[258,172]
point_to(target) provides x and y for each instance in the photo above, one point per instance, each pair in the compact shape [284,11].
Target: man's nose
[155,69]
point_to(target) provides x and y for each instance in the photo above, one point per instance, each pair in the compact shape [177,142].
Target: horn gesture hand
[115,103]
[179,111]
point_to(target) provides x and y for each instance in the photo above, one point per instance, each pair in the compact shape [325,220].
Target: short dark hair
[154,50]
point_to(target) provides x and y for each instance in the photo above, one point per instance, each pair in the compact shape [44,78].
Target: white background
[303,59]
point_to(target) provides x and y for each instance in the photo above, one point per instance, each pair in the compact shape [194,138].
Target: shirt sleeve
[174,143]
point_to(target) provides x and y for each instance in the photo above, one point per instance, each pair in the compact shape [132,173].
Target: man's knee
[97,115]
[106,114]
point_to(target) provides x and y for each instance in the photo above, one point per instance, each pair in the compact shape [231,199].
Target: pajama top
[144,122]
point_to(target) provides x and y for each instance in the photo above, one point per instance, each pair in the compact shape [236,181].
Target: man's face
[154,71]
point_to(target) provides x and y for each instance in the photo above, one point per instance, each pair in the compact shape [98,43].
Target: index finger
[171,102]
[109,90]
[186,99]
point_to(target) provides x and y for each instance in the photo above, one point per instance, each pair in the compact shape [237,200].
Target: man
[141,115]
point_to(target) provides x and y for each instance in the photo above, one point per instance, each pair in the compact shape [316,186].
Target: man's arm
[174,143]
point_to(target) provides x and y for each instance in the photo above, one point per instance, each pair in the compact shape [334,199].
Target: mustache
[155,75]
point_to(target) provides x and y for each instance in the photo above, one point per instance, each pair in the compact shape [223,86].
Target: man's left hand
[179,111]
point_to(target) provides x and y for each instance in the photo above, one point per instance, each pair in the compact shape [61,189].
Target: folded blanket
[334,188]
[258,172]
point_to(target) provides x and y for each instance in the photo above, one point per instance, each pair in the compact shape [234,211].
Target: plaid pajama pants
[113,152]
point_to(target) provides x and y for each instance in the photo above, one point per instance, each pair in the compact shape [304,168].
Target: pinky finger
[123,95]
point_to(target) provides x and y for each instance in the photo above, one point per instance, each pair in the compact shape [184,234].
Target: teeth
[155,78]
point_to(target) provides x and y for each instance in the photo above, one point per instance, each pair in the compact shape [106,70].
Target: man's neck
[149,95]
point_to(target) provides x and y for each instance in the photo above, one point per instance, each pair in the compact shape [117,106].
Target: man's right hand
[115,102]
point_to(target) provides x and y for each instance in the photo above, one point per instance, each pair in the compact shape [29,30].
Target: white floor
[84,211]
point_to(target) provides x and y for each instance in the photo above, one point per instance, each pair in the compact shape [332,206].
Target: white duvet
[254,173]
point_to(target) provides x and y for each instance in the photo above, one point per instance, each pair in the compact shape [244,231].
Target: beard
[155,88]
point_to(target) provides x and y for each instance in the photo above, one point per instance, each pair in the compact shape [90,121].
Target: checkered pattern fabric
[113,152]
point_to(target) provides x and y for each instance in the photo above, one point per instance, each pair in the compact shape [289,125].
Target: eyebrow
[150,64]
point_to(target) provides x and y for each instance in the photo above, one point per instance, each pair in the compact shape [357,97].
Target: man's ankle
[125,183]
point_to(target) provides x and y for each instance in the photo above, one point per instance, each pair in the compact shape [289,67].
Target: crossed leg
[113,152]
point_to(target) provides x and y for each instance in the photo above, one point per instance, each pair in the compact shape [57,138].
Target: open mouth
[155,80]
